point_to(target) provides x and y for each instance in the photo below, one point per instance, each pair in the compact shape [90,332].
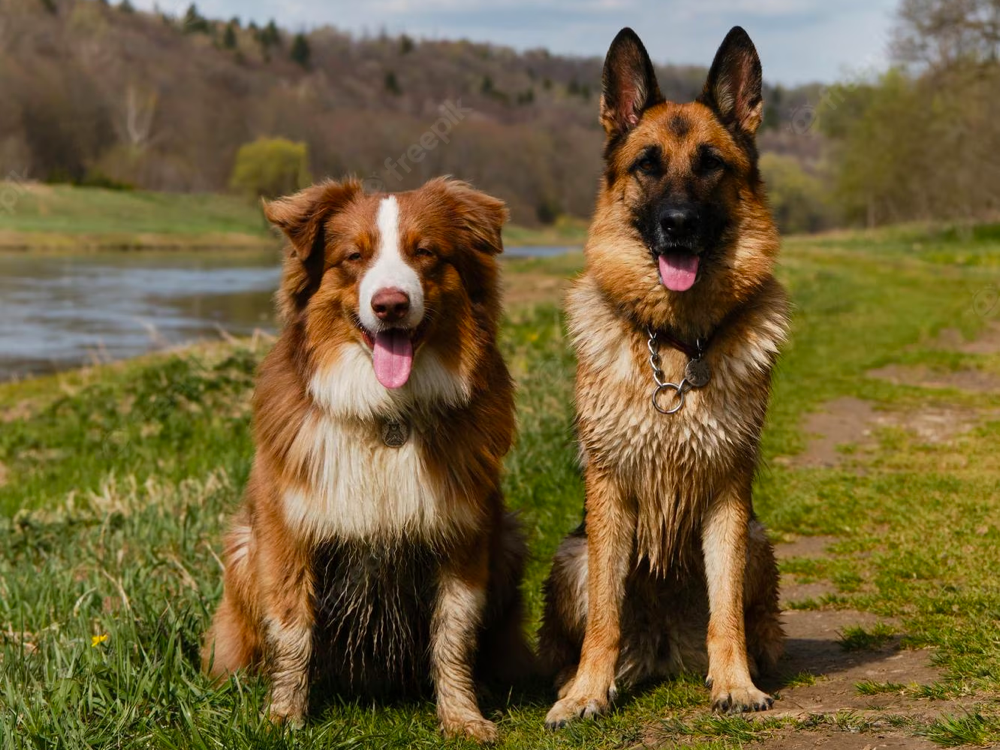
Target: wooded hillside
[101,94]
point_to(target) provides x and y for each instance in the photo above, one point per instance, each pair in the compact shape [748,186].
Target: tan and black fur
[351,564]
[671,571]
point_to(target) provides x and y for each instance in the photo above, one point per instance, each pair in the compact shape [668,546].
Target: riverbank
[65,219]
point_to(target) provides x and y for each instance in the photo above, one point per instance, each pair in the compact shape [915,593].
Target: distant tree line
[103,94]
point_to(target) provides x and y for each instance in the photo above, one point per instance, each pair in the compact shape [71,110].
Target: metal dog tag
[697,373]
[395,434]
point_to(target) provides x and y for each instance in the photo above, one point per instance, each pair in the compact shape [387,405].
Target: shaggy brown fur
[670,557]
[368,568]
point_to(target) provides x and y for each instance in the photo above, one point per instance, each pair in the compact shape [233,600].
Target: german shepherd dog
[677,322]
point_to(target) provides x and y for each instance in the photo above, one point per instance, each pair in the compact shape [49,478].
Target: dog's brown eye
[647,165]
[710,162]
[354,256]
[423,252]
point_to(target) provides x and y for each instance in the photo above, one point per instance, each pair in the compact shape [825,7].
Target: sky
[799,41]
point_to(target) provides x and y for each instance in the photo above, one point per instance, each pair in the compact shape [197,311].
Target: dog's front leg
[724,543]
[610,541]
[286,574]
[458,614]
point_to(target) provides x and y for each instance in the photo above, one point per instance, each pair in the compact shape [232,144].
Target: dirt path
[824,676]
[819,678]
[973,381]
[853,422]
[988,342]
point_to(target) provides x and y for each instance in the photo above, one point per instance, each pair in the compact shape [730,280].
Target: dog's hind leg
[765,635]
[504,654]
[233,642]
[564,620]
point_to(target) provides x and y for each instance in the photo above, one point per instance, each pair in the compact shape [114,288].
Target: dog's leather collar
[692,351]
[700,347]
[697,351]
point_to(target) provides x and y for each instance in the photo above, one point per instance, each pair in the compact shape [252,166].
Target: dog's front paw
[475,728]
[565,681]
[572,707]
[738,700]
[287,710]
[281,717]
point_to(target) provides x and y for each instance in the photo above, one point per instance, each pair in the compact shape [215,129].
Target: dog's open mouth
[392,353]
[678,269]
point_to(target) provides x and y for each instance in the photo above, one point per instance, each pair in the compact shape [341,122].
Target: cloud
[799,40]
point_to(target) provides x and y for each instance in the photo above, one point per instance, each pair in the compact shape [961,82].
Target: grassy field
[115,484]
[66,218]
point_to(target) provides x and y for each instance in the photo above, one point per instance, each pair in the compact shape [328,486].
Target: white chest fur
[358,488]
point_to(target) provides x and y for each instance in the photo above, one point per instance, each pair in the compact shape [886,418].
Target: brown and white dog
[677,322]
[372,552]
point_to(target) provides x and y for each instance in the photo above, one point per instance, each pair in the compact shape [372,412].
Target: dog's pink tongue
[393,358]
[678,271]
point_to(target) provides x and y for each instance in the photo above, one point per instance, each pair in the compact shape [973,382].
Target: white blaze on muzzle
[393,346]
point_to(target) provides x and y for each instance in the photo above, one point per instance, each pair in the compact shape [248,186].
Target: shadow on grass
[530,693]
[819,657]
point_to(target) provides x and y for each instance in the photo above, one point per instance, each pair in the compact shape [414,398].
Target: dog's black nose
[676,222]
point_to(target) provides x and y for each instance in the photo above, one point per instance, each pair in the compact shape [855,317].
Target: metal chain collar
[696,374]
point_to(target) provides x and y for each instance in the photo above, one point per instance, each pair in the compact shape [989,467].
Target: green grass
[67,218]
[567,231]
[116,484]
[969,729]
[802,679]
[868,687]
[966,244]
[71,218]
[857,638]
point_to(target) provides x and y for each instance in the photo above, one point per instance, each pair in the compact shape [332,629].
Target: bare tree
[939,33]
[138,114]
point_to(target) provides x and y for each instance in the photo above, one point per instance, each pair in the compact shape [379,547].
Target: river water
[60,311]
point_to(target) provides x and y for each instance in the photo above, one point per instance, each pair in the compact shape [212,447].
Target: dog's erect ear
[733,88]
[301,216]
[482,215]
[629,85]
